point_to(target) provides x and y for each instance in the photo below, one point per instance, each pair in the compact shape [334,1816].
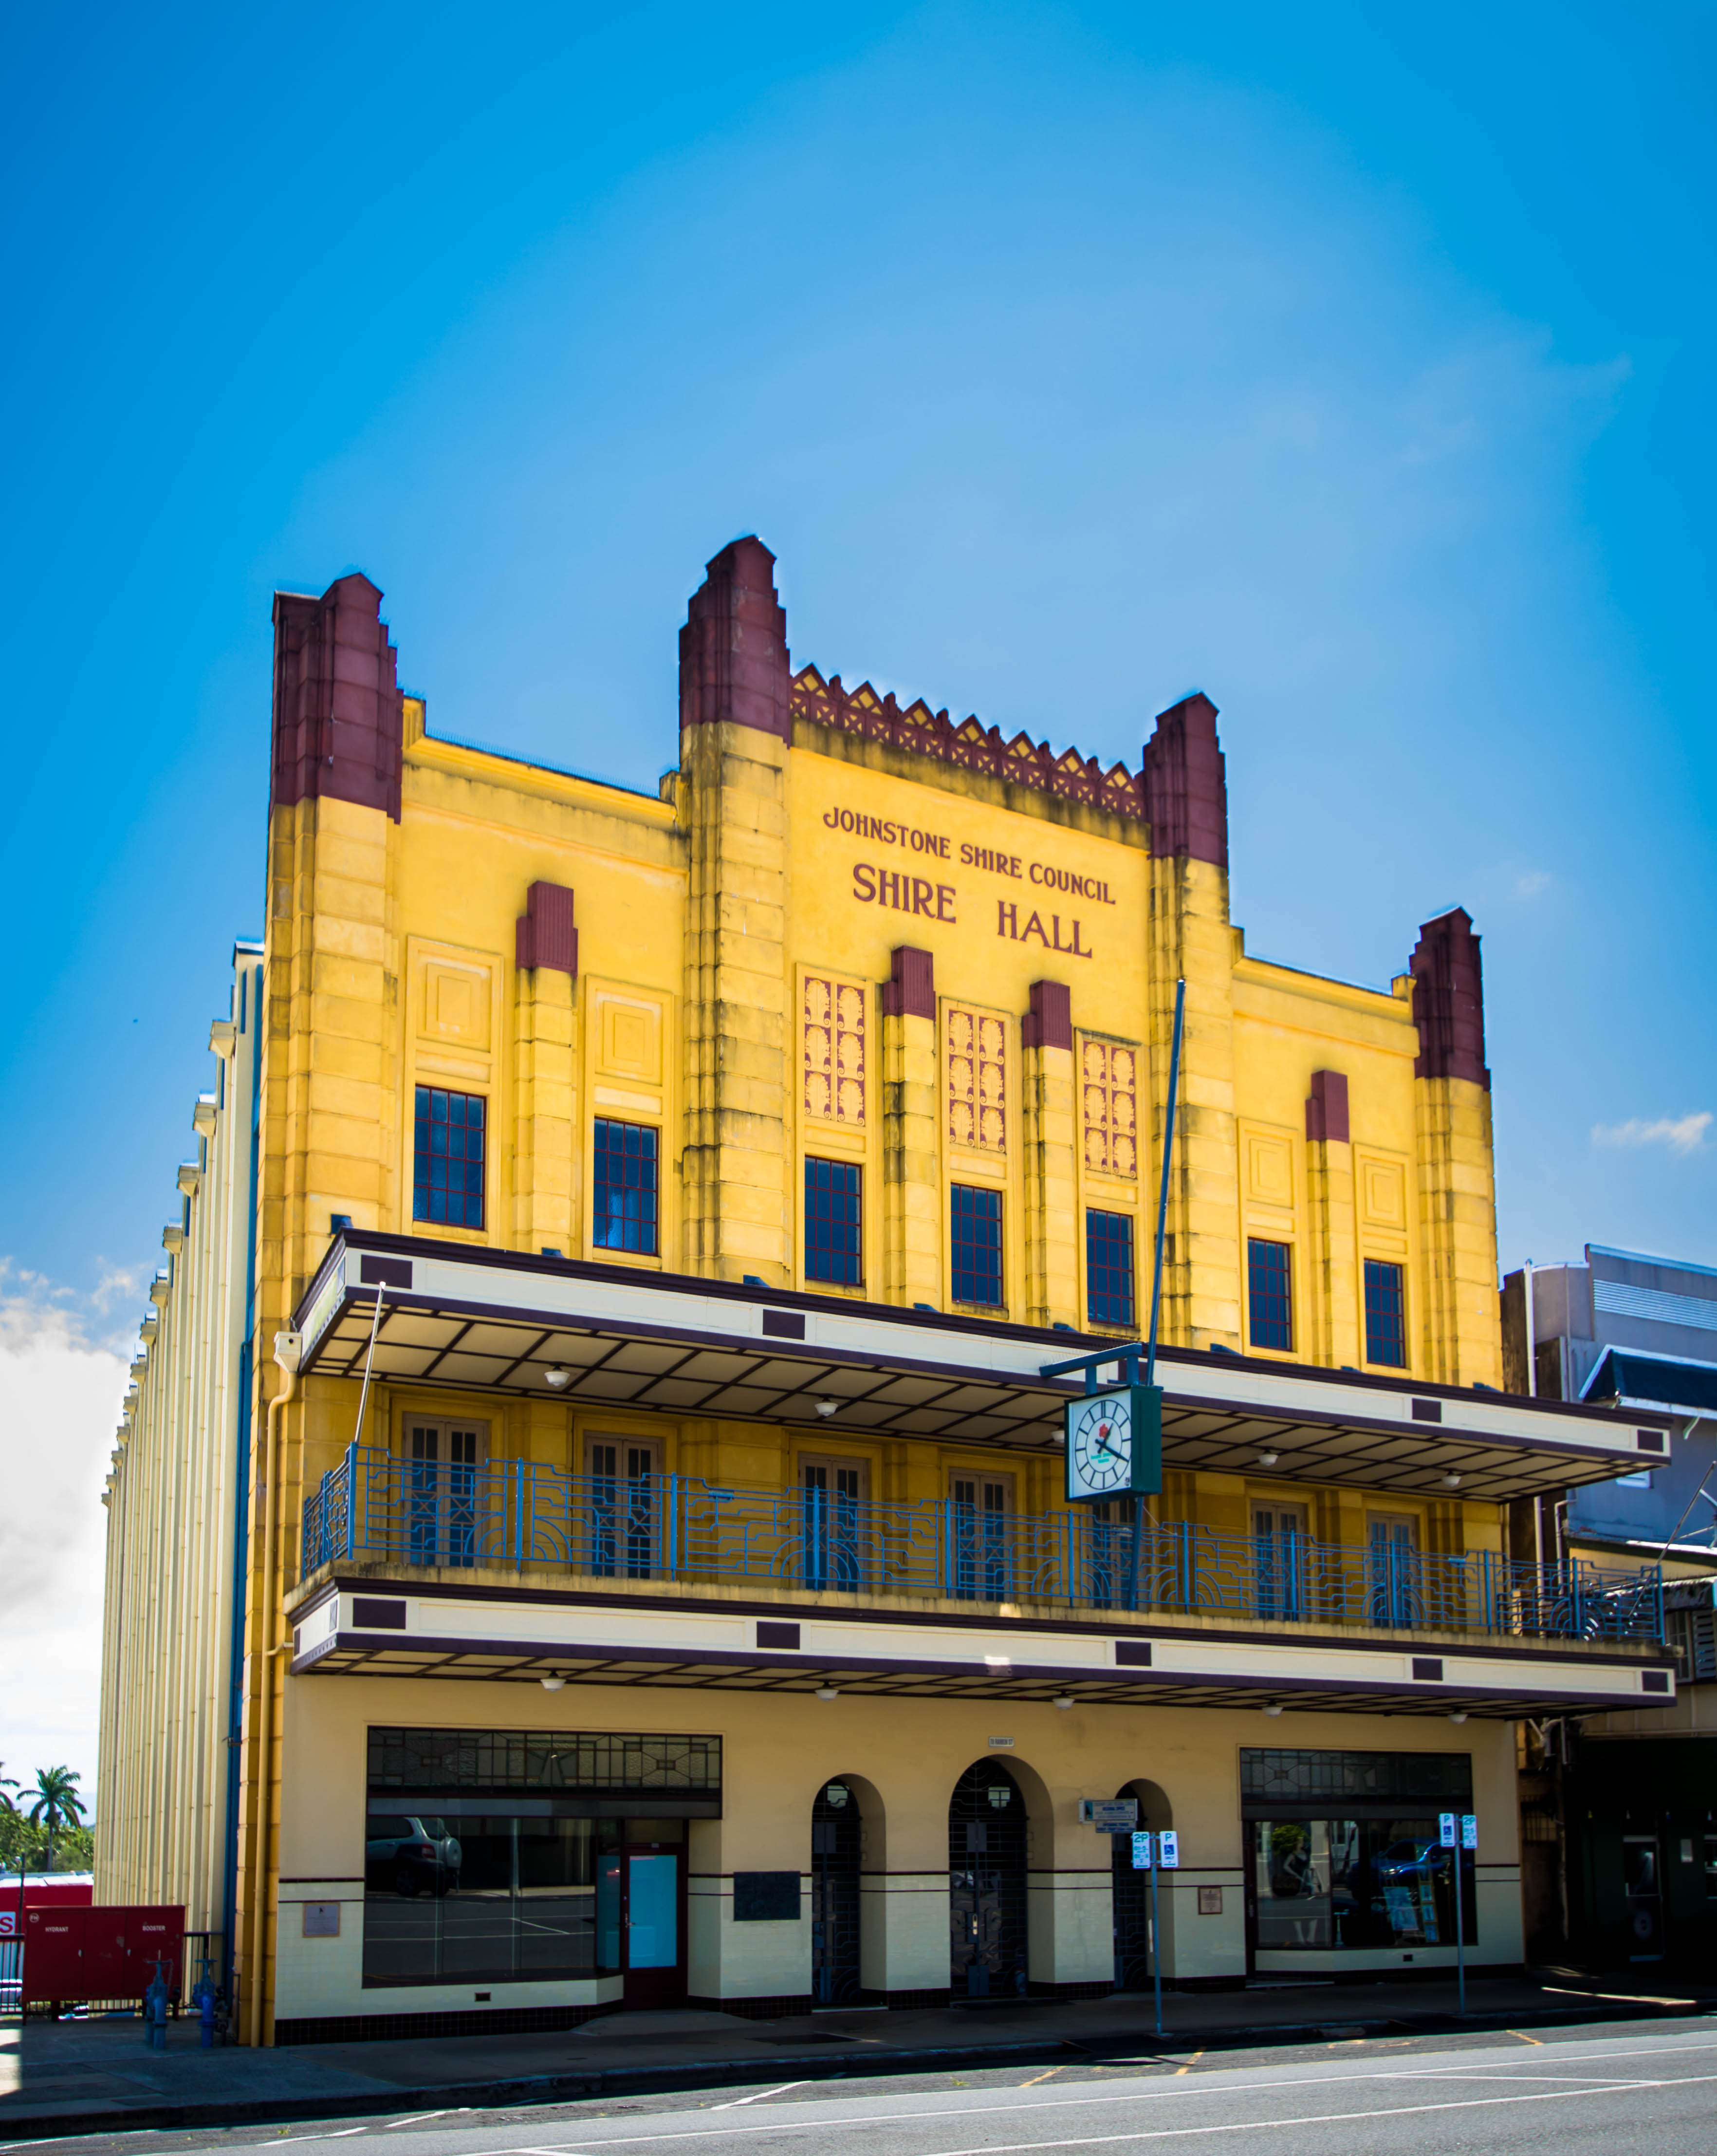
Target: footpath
[59,2078]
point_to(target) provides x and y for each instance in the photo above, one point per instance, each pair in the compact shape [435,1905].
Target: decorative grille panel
[1109,1074]
[977,1080]
[834,1050]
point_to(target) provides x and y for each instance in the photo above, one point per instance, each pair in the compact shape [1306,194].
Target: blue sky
[1353,364]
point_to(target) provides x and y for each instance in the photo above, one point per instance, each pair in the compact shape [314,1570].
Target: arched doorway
[837,1853]
[1131,1892]
[987,1884]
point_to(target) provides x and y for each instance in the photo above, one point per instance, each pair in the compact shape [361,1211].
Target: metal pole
[1168,1148]
[1168,1140]
[1155,1942]
[1460,1867]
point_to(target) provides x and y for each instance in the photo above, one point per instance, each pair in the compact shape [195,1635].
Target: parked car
[409,1854]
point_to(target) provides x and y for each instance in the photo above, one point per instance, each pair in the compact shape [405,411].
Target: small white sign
[1110,1814]
[1446,1829]
[1469,1831]
[1168,1850]
[1141,1852]
[1000,1744]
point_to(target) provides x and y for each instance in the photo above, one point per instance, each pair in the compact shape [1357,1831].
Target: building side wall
[172,1499]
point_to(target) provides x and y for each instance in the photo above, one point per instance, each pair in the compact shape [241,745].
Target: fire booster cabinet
[100,1952]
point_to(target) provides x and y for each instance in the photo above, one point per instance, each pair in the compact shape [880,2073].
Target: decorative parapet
[969,746]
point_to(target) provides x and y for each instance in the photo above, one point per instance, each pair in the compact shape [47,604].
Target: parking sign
[1446,1833]
[1168,1850]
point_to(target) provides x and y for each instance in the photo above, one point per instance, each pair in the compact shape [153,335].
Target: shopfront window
[1355,1883]
[493,1855]
[1344,1850]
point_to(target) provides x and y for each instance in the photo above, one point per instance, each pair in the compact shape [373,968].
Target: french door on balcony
[1394,1587]
[980,1540]
[444,1492]
[1279,1537]
[622,1529]
[834,1493]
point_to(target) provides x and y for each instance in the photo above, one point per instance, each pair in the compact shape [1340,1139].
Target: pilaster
[1190,939]
[1051,1237]
[1333,1305]
[545,1064]
[1459,1324]
[912,1171]
[733,796]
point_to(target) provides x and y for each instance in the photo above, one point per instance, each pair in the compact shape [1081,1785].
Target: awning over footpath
[614,1335]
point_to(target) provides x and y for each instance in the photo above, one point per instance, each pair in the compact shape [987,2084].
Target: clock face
[1100,1445]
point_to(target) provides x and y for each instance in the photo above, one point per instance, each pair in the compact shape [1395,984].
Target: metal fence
[515,1513]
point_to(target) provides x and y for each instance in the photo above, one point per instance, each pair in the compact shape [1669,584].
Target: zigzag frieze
[969,746]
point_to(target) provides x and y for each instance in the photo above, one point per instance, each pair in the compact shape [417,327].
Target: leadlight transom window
[550,1759]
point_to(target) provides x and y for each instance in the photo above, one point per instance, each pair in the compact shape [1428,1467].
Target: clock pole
[1168,1147]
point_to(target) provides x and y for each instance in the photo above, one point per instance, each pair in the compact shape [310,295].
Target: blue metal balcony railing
[514,1513]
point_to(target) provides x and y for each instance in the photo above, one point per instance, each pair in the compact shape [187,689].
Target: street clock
[1114,1443]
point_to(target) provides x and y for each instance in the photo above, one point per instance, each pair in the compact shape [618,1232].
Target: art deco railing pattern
[515,1513]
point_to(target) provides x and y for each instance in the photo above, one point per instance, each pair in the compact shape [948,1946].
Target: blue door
[655,1974]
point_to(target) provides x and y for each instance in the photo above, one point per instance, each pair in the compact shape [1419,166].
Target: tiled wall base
[369,2028]
[770,2008]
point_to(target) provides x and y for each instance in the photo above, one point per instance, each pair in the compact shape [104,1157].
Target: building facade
[1620,1812]
[669,1212]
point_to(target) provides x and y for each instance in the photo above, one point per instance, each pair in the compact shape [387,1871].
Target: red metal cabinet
[102,1953]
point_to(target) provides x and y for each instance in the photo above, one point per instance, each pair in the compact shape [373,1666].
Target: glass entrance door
[655,1963]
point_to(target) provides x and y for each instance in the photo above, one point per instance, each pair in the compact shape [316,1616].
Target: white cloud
[1680,1134]
[60,1394]
[1533,882]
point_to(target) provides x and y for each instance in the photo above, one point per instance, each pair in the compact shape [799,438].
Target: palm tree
[57,1804]
[7,1783]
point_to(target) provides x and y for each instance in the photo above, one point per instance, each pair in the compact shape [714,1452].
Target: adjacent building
[1621,1809]
[596,1463]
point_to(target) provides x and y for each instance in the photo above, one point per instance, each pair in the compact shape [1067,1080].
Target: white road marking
[1140,2091]
[422,2117]
[1320,2119]
[758,2095]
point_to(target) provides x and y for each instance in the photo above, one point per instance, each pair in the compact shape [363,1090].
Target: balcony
[385,1513]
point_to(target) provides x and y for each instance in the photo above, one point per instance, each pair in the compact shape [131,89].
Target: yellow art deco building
[590,1525]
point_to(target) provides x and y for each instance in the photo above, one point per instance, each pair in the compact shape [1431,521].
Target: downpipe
[288,1347]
